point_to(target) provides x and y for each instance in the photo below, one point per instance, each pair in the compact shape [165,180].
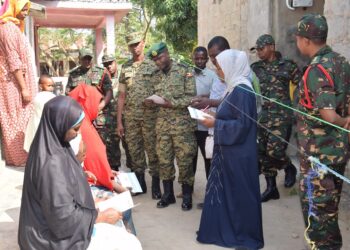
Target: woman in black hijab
[57,211]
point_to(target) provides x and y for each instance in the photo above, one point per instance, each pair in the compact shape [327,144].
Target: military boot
[156,193]
[141,178]
[290,177]
[187,197]
[168,197]
[271,191]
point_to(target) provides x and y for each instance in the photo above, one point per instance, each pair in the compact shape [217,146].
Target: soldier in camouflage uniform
[175,128]
[324,93]
[107,119]
[135,84]
[98,77]
[274,73]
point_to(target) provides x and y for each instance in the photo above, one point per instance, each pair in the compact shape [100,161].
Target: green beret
[156,49]
[134,37]
[312,26]
[85,52]
[108,58]
[264,40]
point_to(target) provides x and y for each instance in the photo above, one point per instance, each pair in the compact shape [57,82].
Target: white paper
[120,202]
[156,99]
[129,180]
[197,114]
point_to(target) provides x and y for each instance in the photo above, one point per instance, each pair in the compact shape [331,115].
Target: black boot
[168,197]
[141,178]
[290,178]
[271,191]
[187,197]
[156,193]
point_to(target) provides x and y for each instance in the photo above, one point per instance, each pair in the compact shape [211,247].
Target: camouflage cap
[264,40]
[85,52]
[108,58]
[156,49]
[134,37]
[312,26]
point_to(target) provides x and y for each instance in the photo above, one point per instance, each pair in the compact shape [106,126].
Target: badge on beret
[154,53]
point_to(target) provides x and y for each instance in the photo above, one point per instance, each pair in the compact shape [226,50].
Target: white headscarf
[235,65]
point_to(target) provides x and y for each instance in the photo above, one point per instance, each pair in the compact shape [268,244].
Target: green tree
[173,21]
[177,19]
[62,45]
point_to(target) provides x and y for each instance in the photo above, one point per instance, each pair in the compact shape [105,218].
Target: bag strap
[306,102]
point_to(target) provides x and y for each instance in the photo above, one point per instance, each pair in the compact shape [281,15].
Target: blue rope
[323,168]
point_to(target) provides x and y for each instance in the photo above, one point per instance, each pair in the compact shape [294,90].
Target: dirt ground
[171,228]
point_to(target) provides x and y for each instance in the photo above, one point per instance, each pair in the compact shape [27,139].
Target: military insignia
[154,53]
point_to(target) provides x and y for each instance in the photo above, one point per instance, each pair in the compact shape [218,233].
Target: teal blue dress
[231,215]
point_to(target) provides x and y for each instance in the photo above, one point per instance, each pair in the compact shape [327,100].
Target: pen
[205,108]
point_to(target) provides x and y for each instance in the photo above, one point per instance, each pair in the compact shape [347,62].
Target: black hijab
[57,210]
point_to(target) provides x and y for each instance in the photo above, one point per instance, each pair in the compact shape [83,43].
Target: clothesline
[312,159]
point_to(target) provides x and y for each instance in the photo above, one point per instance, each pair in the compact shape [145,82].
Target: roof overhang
[90,15]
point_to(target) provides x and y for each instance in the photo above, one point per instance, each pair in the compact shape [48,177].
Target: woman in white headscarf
[231,214]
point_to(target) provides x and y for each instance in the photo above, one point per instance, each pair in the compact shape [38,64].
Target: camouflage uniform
[175,128]
[139,120]
[91,76]
[274,80]
[322,141]
[106,120]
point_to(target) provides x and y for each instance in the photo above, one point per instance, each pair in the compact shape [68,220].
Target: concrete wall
[243,21]
[338,18]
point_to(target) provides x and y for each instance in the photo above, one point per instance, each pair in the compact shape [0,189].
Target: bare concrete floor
[171,228]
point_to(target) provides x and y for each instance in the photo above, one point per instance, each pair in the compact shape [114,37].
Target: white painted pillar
[110,31]
[30,32]
[99,45]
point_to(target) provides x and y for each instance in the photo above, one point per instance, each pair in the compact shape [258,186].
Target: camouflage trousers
[271,149]
[324,230]
[181,146]
[108,134]
[140,136]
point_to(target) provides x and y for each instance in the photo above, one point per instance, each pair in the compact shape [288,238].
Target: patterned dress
[14,115]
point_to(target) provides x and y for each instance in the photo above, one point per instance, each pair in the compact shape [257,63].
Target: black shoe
[187,197]
[141,178]
[290,178]
[115,167]
[168,197]
[271,192]
[156,193]
[200,205]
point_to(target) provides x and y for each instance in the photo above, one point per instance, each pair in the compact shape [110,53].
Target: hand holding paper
[156,99]
[120,202]
[198,114]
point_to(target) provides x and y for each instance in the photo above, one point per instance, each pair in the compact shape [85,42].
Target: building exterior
[81,14]
[242,21]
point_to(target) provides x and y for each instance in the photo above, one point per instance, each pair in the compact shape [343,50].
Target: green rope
[281,104]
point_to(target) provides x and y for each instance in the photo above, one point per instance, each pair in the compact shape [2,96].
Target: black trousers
[201,136]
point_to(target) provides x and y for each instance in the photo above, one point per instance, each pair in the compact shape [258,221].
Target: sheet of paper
[197,114]
[129,180]
[156,99]
[120,202]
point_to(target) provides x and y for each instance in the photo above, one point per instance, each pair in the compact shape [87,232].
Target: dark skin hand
[331,116]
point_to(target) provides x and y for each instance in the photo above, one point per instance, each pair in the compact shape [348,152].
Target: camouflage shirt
[317,139]
[94,76]
[136,79]
[274,80]
[177,86]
